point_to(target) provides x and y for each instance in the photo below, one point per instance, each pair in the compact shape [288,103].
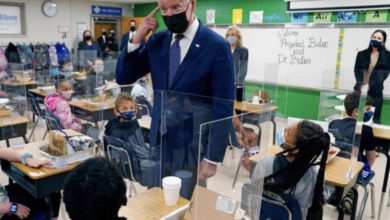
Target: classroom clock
[49,8]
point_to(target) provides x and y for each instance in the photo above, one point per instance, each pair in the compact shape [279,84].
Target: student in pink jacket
[57,103]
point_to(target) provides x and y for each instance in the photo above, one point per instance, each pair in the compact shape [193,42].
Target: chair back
[34,105]
[123,156]
[53,122]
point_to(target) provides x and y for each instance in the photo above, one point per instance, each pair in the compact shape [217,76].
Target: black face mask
[87,38]
[132,28]
[104,33]
[177,23]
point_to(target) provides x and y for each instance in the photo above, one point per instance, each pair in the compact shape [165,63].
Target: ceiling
[127,1]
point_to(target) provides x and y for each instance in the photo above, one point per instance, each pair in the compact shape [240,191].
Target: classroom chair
[123,156]
[37,111]
[53,122]
[365,184]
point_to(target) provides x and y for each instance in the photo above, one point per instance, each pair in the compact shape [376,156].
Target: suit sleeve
[359,72]
[132,66]
[243,65]
[222,105]
[123,41]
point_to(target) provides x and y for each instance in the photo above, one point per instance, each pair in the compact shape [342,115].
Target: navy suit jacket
[207,70]
[124,41]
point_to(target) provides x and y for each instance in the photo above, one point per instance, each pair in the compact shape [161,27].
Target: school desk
[12,127]
[260,112]
[92,114]
[149,205]
[39,182]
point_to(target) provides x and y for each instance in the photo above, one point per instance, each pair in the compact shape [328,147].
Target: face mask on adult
[104,33]
[87,38]
[376,44]
[232,39]
[177,23]
[132,28]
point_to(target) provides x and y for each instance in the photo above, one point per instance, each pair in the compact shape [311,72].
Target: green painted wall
[302,103]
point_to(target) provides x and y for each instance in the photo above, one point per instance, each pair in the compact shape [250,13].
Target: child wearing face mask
[57,103]
[294,171]
[125,126]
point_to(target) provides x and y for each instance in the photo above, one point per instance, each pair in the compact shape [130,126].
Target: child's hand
[31,162]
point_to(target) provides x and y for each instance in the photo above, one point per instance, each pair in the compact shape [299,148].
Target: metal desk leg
[25,139]
[274,134]
[384,186]
[341,211]
[7,142]
[355,201]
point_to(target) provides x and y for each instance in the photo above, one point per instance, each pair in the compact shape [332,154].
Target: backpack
[274,206]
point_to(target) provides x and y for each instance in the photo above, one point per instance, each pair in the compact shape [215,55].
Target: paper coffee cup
[171,186]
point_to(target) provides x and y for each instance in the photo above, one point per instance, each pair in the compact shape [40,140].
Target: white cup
[171,186]
[255,100]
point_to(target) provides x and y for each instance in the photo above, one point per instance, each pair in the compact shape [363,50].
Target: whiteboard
[304,57]
[291,56]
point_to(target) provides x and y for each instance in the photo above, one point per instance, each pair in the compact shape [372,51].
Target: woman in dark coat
[88,50]
[372,68]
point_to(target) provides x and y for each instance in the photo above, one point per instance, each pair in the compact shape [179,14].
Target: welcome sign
[10,20]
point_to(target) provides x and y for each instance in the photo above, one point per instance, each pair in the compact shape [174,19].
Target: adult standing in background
[103,38]
[372,68]
[128,36]
[188,58]
[240,58]
[88,50]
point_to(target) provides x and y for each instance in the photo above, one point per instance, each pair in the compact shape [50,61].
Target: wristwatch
[13,208]
[24,157]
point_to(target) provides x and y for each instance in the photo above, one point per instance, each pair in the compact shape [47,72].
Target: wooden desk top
[336,169]
[81,104]
[380,131]
[12,120]
[26,83]
[254,108]
[39,173]
[40,92]
[149,205]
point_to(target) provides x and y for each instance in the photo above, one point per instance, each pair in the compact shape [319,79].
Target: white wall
[40,28]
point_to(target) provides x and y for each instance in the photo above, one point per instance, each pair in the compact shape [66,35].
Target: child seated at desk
[294,173]
[344,133]
[15,202]
[125,126]
[94,190]
[57,104]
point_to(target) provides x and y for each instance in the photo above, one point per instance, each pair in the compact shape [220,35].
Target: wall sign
[105,10]
[10,20]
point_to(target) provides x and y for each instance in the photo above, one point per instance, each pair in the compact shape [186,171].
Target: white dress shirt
[132,34]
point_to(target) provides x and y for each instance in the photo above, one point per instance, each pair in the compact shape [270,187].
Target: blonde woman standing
[240,58]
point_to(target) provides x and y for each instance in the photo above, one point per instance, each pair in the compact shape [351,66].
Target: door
[100,25]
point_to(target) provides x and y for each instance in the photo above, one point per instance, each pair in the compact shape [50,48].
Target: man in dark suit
[193,81]
[102,39]
[128,36]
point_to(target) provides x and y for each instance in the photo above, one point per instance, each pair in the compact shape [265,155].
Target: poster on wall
[10,20]
[237,16]
[210,16]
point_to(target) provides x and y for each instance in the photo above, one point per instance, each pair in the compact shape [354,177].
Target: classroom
[194,109]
